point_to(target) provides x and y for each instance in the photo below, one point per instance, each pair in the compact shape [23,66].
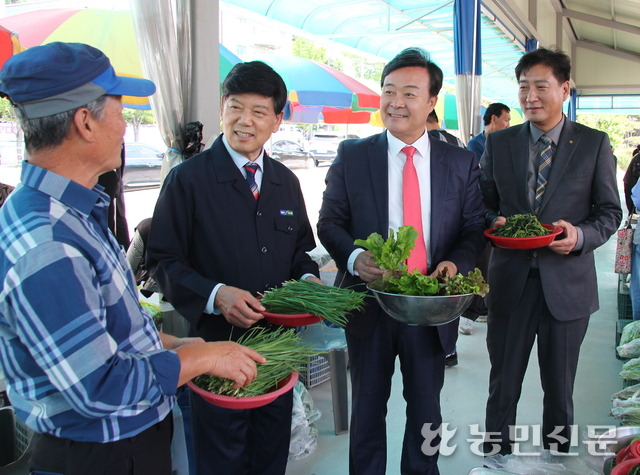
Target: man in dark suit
[364,195]
[222,231]
[547,293]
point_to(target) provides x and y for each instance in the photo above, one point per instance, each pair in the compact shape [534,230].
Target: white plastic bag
[304,434]
[543,464]
[629,350]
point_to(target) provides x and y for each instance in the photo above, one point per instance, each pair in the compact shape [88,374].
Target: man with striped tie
[231,222]
[565,174]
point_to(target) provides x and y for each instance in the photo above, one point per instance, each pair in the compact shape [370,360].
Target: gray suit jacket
[581,189]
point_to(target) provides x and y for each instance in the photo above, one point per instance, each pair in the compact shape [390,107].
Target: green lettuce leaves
[390,255]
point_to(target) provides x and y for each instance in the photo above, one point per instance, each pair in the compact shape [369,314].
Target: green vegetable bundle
[631,369]
[629,396]
[390,255]
[303,296]
[284,351]
[521,225]
[630,332]
[628,416]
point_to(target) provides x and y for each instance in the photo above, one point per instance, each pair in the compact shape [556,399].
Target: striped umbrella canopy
[111,31]
[329,115]
[9,45]
[310,83]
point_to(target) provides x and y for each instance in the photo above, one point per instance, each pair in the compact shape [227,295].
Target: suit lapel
[377,158]
[565,151]
[519,153]
[439,164]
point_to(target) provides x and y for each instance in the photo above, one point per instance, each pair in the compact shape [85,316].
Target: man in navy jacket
[214,244]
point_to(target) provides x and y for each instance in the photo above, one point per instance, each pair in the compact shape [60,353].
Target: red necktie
[413,211]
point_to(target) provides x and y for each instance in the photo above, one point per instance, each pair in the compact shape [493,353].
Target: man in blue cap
[85,367]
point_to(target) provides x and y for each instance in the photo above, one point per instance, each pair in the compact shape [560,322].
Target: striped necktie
[251,169]
[412,211]
[544,167]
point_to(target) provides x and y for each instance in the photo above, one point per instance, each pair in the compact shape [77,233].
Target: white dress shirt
[395,162]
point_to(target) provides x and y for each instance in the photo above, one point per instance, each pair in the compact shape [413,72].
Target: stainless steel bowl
[424,311]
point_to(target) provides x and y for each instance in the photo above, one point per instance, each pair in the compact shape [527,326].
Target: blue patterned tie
[544,166]
[251,169]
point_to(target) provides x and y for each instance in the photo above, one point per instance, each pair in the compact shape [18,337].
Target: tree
[365,68]
[619,128]
[137,117]
[7,115]
[304,48]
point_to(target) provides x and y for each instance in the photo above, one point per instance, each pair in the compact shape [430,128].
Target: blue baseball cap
[57,77]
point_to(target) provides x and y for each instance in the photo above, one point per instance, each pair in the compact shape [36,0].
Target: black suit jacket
[581,189]
[207,229]
[356,204]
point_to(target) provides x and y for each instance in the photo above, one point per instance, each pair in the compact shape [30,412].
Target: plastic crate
[316,371]
[624,299]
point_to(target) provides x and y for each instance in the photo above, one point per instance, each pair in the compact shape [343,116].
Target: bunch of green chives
[304,296]
[284,351]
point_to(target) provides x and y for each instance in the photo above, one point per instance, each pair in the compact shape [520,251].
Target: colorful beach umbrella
[329,115]
[310,83]
[111,31]
[9,45]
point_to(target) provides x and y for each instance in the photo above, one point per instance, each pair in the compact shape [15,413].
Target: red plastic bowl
[624,467]
[230,402]
[525,242]
[294,320]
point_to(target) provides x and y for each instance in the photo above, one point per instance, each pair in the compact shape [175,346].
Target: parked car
[142,166]
[324,147]
[292,153]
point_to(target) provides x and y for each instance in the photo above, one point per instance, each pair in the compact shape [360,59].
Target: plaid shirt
[81,358]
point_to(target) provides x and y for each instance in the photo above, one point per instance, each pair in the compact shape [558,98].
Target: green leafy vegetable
[304,296]
[521,225]
[284,351]
[631,369]
[628,416]
[390,255]
[413,284]
[473,283]
[630,332]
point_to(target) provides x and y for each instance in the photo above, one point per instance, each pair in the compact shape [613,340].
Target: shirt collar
[553,134]
[239,159]
[68,192]
[422,145]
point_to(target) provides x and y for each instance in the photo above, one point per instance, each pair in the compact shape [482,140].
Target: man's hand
[366,268]
[238,306]
[450,267]
[499,221]
[233,361]
[224,359]
[568,241]
[313,278]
